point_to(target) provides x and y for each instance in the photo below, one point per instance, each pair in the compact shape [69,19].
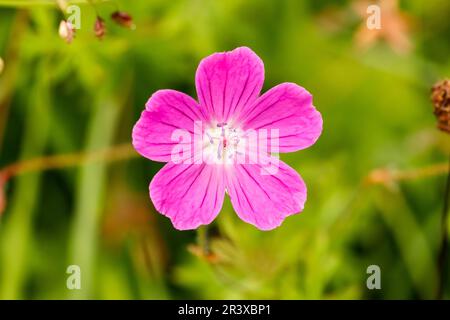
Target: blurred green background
[373,92]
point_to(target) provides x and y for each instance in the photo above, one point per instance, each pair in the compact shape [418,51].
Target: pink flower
[228,86]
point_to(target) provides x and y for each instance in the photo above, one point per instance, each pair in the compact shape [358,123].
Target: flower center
[221,143]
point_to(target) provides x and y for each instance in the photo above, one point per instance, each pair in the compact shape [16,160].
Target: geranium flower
[228,84]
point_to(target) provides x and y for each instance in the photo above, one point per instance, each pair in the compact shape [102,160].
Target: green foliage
[57,98]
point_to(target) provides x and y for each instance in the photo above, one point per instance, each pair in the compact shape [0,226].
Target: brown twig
[115,153]
[388,177]
[119,152]
[385,176]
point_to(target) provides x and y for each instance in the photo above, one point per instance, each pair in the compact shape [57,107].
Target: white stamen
[223,143]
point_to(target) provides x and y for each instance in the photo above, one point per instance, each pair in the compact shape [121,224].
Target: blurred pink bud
[99,27]
[122,18]
[66,31]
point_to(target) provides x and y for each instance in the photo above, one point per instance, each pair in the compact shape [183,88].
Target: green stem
[203,239]
[92,186]
[17,234]
[442,259]
[28,3]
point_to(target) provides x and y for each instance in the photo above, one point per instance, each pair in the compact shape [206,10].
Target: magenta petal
[227,82]
[190,195]
[288,108]
[166,111]
[264,200]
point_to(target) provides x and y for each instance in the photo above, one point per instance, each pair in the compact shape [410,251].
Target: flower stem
[110,154]
[27,3]
[442,259]
[61,161]
[203,239]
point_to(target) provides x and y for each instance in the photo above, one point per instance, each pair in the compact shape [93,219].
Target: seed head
[440,96]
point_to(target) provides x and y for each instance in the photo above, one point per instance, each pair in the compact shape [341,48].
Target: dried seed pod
[99,28]
[122,18]
[440,96]
[66,31]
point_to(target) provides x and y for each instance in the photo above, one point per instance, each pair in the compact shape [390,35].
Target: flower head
[224,143]
[440,96]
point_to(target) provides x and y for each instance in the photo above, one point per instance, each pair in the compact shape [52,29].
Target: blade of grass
[17,232]
[414,248]
[443,250]
[91,186]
